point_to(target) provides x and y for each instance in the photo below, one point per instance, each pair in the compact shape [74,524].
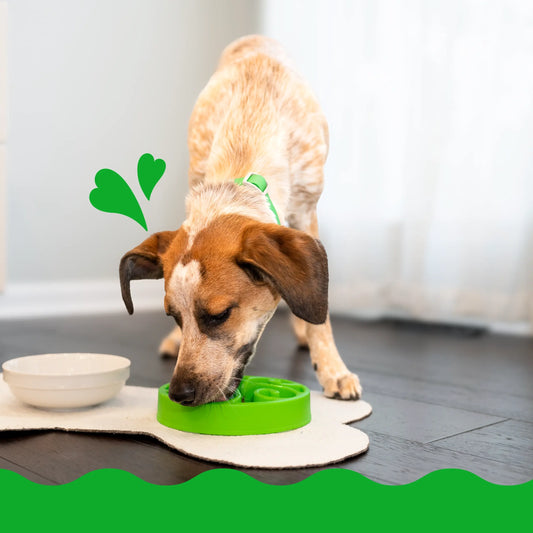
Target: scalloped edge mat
[325,440]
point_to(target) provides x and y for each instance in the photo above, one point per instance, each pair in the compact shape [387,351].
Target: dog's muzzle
[182,392]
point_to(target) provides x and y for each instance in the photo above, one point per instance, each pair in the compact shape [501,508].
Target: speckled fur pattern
[287,142]
[256,114]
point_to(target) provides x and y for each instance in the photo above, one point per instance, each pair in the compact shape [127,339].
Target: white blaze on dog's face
[222,314]
[223,282]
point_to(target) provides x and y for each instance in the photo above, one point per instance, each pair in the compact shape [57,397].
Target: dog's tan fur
[229,257]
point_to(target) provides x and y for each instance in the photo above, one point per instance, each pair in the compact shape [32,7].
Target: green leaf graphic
[149,172]
[113,195]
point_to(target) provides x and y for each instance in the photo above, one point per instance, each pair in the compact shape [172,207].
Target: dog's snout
[182,392]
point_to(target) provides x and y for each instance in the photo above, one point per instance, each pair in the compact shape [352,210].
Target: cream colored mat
[326,439]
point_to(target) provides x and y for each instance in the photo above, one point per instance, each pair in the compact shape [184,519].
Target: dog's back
[257,114]
[229,264]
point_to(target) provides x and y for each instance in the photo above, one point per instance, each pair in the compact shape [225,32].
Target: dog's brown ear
[293,262]
[143,262]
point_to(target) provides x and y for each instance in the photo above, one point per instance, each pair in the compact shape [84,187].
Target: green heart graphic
[149,172]
[113,195]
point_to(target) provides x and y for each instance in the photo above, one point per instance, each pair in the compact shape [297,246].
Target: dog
[230,263]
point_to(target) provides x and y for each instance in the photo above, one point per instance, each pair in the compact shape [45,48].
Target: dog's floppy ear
[293,262]
[143,262]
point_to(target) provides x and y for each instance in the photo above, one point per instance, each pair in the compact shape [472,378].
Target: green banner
[223,499]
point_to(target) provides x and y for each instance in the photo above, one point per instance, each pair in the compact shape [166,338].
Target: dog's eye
[216,320]
[177,318]
[176,315]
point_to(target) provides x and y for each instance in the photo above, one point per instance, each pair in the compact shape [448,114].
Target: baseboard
[37,300]
[498,327]
[498,313]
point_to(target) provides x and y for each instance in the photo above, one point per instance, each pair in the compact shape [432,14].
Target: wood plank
[510,442]
[501,403]
[63,457]
[489,362]
[486,363]
[419,421]
[425,384]
[392,460]
[28,474]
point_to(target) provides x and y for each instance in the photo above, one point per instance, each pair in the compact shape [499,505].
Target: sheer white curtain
[428,205]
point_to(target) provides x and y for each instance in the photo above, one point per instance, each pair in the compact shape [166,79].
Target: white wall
[427,208]
[3,135]
[96,84]
[427,205]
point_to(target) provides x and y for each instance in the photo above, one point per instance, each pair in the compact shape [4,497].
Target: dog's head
[222,285]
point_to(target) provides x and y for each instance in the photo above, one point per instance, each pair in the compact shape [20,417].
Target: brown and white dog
[229,264]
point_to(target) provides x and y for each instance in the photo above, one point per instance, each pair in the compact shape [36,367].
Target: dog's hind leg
[170,345]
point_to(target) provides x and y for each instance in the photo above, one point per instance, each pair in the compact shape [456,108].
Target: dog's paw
[346,387]
[170,346]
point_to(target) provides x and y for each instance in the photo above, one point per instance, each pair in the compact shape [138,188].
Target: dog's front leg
[299,328]
[170,345]
[335,378]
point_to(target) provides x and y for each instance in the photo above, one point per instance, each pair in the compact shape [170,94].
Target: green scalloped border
[219,498]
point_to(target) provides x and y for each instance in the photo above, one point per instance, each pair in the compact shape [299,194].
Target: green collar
[261,184]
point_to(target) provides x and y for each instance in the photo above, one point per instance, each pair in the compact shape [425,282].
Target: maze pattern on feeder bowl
[260,405]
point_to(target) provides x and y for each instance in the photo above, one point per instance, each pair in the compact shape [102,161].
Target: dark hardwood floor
[442,397]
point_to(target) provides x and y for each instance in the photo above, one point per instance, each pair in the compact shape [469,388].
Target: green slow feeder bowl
[260,405]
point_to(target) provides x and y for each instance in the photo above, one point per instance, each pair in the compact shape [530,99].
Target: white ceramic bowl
[66,380]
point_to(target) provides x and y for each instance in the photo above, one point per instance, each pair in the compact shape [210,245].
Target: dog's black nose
[181,392]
